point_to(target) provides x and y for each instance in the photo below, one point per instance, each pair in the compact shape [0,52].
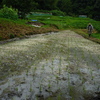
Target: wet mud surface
[58,66]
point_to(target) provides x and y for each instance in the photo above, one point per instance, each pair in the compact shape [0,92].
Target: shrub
[8,13]
[57,13]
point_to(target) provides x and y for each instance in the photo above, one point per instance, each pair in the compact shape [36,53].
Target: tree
[96,10]
[83,7]
[1,4]
[65,6]
[47,4]
[23,6]
[51,4]
[76,7]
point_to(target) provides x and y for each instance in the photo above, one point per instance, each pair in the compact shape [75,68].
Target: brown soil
[9,31]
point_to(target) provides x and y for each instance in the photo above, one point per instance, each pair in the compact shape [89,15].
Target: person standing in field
[90,29]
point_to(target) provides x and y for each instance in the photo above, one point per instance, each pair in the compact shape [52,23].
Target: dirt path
[58,66]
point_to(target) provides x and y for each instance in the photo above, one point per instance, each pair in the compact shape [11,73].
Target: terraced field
[55,66]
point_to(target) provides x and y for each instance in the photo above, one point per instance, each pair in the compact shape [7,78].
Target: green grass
[96,35]
[19,21]
[63,22]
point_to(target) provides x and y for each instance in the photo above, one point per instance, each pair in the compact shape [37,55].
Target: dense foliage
[87,7]
[8,13]
[90,8]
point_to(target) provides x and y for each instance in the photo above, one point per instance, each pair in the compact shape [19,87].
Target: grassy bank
[11,29]
[94,37]
[19,28]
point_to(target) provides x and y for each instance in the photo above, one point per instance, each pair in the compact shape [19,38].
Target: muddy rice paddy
[56,66]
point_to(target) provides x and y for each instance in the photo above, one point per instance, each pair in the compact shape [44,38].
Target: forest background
[60,15]
[90,8]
